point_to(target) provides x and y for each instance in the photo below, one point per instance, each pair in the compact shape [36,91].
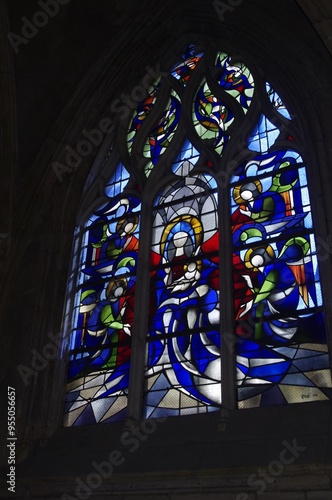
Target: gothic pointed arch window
[196,280]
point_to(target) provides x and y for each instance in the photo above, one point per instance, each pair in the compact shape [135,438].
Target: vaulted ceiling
[49,64]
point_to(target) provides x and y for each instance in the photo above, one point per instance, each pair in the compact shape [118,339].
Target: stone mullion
[228,380]
[140,327]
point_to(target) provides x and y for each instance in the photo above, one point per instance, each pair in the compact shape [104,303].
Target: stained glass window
[212,197]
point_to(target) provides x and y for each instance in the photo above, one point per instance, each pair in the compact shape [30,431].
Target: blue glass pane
[263,136]
[186,160]
[277,102]
[117,182]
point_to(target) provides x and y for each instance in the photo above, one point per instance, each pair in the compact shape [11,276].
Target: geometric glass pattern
[208,188]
